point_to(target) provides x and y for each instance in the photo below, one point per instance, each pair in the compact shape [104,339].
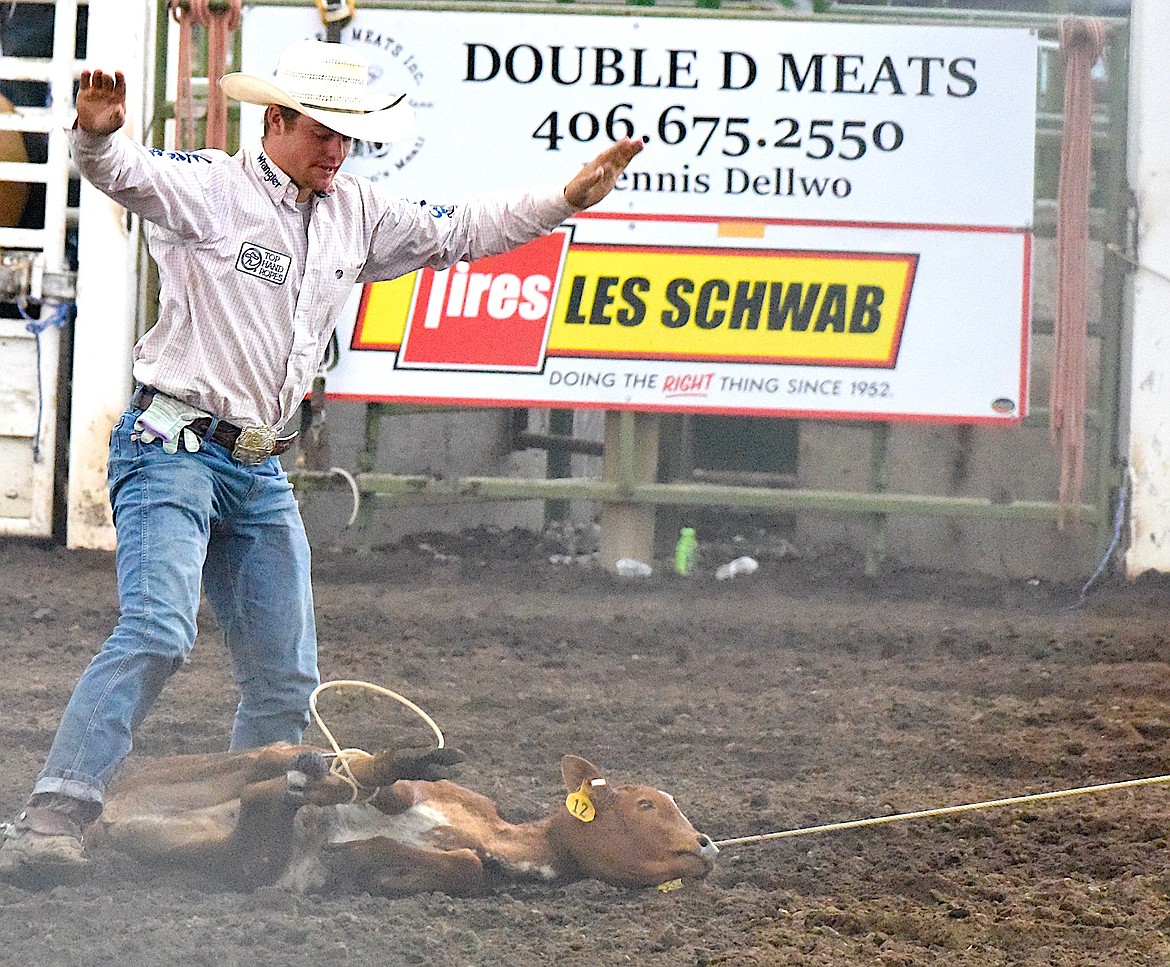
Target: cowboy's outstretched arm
[101,102]
[164,188]
[593,182]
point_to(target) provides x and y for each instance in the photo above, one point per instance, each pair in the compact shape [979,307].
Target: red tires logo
[493,314]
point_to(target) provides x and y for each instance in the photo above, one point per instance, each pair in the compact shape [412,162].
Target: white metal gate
[36,283]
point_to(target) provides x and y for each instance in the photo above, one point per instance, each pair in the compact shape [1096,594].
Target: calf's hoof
[430,765]
[308,767]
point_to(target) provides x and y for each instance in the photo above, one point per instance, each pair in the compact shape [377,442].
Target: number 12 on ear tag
[580,805]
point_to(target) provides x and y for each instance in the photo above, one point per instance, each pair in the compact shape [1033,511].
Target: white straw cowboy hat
[329,83]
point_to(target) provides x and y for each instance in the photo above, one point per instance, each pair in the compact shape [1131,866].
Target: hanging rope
[222,19]
[62,315]
[1082,40]
[219,18]
[1114,543]
[184,102]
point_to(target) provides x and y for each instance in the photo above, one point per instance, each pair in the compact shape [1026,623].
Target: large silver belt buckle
[254,445]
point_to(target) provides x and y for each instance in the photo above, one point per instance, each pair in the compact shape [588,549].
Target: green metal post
[879,447]
[559,462]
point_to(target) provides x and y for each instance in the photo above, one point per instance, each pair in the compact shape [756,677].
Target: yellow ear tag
[669,886]
[580,805]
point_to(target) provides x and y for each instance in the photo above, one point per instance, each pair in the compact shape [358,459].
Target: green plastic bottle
[685,551]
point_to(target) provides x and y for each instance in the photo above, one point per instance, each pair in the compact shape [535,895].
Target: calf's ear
[578,772]
[575,770]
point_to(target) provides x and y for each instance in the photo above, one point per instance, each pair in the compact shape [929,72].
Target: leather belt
[251,445]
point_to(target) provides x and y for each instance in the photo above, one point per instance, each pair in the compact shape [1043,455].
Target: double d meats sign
[828,219]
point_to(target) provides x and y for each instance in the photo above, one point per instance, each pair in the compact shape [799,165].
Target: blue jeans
[180,518]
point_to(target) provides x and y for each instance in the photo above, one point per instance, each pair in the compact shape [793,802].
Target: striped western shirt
[248,298]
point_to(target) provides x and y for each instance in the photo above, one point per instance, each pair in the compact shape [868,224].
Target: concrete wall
[444,444]
[1149,396]
[998,464]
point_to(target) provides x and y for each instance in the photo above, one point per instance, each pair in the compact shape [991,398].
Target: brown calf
[277,815]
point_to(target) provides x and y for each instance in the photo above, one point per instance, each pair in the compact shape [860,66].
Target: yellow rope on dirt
[945,810]
[342,757]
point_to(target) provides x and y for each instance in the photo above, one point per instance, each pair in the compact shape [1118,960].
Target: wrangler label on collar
[268,171]
[263,263]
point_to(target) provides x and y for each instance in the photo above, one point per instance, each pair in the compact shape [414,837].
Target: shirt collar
[278,185]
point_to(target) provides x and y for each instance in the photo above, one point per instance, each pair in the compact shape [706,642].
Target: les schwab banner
[827,220]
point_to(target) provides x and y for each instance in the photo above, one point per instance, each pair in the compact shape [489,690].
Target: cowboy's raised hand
[101,102]
[596,179]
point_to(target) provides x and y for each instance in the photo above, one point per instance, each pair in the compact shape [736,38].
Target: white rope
[342,756]
[357,502]
[1126,257]
[945,810]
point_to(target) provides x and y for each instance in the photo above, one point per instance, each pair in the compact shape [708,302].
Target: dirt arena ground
[805,694]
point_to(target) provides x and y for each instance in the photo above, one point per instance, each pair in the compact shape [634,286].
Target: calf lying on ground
[278,815]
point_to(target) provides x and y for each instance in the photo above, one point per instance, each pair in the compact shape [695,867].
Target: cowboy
[257,254]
